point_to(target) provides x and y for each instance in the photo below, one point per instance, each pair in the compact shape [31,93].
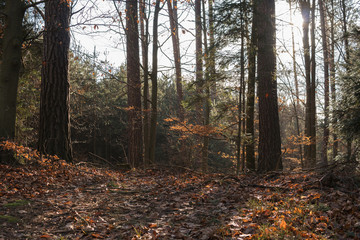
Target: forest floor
[46,198]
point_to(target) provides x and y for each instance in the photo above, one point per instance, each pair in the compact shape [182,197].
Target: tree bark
[347,62]
[309,147]
[324,157]
[205,150]
[250,101]
[312,152]
[240,102]
[10,66]
[332,79]
[54,132]
[176,50]
[154,88]
[134,85]
[297,95]
[145,59]
[269,128]
[199,69]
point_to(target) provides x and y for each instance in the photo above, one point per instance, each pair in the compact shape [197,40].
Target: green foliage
[348,109]
[98,100]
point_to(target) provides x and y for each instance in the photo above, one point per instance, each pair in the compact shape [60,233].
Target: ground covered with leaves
[46,198]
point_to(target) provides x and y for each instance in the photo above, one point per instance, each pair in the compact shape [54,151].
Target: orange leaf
[153,225]
[96,235]
[283,224]
[45,236]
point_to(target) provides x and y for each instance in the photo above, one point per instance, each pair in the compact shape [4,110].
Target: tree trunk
[154,87]
[145,59]
[199,69]
[205,150]
[332,80]
[297,95]
[250,109]
[134,85]
[212,52]
[240,102]
[312,153]
[324,157]
[309,147]
[269,128]
[347,62]
[10,66]
[176,49]
[54,133]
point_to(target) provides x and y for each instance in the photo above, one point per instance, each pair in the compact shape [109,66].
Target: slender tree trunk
[269,128]
[297,95]
[250,101]
[240,102]
[54,133]
[324,157]
[134,85]
[154,88]
[309,147]
[205,150]
[10,66]
[212,52]
[312,153]
[347,57]
[145,59]
[172,7]
[332,80]
[199,68]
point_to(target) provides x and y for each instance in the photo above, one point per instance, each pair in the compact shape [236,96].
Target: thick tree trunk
[134,85]
[250,101]
[269,128]
[54,133]
[324,157]
[10,66]
[154,88]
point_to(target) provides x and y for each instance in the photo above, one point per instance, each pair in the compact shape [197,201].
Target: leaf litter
[47,198]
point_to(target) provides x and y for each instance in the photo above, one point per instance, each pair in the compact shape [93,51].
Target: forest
[179,119]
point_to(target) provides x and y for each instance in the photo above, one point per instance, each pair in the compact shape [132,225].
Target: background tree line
[242,107]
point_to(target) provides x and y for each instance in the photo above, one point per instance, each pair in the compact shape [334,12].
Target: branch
[35,5]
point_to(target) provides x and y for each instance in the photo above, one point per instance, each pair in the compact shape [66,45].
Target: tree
[250,99]
[199,69]
[134,85]
[144,25]
[347,58]
[269,128]
[10,66]
[324,157]
[173,17]
[296,81]
[332,79]
[54,132]
[310,110]
[154,87]
[348,108]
